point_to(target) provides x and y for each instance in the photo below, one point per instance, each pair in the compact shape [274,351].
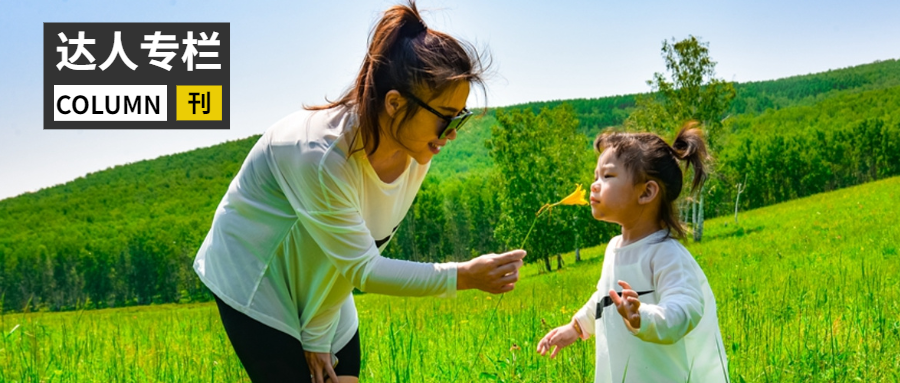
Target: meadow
[807,291]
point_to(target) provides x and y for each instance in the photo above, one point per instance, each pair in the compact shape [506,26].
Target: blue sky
[289,53]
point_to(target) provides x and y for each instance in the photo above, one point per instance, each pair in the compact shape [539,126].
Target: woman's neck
[389,160]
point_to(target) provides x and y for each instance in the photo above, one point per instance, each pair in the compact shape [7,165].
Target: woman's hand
[560,337]
[320,366]
[493,273]
[627,305]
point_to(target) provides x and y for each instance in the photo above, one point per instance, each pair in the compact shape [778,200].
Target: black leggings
[269,355]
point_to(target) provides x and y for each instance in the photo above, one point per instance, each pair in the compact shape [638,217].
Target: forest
[127,235]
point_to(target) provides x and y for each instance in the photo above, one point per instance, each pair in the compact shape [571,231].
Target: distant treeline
[128,235]
[125,235]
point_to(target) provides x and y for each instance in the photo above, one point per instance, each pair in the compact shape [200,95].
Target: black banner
[136,75]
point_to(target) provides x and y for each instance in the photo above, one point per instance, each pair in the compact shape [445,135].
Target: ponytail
[404,55]
[690,148]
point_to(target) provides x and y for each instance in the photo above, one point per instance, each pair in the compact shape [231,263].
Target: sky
[286,54]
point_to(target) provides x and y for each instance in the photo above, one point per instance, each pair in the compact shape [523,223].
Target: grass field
[807,291]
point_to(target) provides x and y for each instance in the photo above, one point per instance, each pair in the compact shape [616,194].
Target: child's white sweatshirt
[679,338]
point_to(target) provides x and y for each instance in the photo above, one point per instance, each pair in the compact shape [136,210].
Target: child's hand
[560,337]
[627,305]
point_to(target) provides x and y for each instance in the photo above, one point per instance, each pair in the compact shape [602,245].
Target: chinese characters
[161,49]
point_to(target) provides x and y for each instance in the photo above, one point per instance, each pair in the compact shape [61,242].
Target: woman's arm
[366,269]
[318,184]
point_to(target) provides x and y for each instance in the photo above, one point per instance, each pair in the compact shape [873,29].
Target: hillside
[752,97]
[805,291]
[118,236]
[127,235]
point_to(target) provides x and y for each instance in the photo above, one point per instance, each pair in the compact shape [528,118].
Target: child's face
[614,196]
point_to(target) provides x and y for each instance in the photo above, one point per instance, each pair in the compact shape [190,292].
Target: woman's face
[419,134]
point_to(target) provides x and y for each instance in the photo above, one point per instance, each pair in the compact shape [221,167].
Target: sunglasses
[450,123]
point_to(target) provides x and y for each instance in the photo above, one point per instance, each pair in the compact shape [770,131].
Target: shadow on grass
[542,271]
[734,232]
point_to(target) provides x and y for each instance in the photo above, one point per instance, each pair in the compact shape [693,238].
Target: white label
[110,103]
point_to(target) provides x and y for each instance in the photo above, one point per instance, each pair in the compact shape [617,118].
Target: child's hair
[647,157]
[407,56]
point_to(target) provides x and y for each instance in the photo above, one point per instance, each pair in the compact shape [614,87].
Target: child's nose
[595,187]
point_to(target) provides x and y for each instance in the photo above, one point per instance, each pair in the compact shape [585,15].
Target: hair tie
[410,29]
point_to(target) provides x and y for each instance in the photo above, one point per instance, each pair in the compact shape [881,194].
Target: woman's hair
[406,56]
[647,157]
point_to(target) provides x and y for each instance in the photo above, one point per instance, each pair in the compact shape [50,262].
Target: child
[662,327]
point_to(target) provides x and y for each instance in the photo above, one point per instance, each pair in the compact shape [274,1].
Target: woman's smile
[435,148]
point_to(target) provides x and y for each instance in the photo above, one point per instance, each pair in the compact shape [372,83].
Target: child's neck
[638,230]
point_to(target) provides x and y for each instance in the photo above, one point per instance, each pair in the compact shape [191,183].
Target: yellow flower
[576,198]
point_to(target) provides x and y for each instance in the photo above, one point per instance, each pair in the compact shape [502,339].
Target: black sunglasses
[450,122]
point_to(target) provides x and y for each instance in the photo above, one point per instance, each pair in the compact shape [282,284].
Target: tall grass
[807,291]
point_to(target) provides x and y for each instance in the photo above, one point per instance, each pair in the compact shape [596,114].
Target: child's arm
[587,315]
[680,306]
[581,326]
[560,337]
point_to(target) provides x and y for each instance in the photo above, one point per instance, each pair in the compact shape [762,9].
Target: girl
[319,196]
[664,327]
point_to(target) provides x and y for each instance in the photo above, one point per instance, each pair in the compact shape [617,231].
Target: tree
[430,239]
[688,90]
[539,159]
[737,199]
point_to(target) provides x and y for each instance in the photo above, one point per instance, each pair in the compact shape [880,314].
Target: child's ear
[651,190]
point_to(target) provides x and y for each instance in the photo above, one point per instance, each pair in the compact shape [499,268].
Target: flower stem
[529,230]
[497,306]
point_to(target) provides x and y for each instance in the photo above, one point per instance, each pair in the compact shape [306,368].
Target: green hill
[467,153]
[756,97]
[805,291]
[838,97]
[119,236]
[127,235]
[752,97]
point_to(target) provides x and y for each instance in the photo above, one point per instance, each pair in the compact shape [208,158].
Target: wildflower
[574,199]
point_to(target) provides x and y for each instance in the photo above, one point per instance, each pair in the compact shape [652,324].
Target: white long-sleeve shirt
[679,335]
[302,224]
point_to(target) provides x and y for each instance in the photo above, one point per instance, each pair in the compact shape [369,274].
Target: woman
[319,196]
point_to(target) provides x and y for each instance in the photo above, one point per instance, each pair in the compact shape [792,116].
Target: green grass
[807,291]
